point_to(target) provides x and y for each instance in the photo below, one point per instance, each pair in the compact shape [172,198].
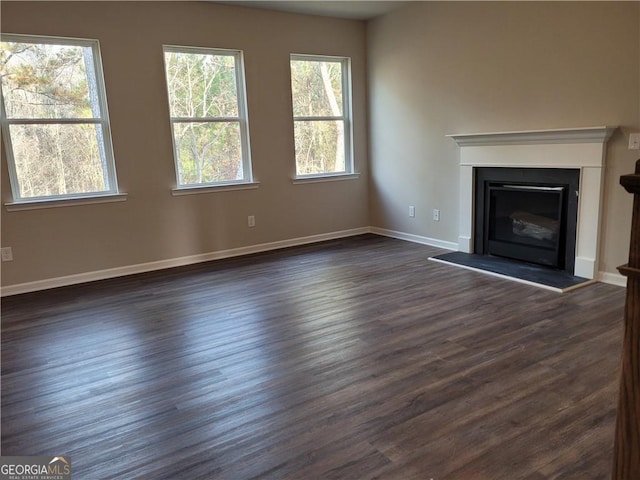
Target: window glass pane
[208,152]
[48,81]
[319,147]
[201,85]
[316,88]
[58,159]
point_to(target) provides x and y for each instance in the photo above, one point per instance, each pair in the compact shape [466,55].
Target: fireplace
[578,149]
[527,214]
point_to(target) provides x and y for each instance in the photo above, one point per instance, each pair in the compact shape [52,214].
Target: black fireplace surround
[527,214]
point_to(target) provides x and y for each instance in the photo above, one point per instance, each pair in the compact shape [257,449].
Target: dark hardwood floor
[351,359]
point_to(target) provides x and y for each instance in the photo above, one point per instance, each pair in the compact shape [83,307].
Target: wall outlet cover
[6,253]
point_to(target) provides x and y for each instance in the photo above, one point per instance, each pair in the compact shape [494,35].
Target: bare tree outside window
[208,119]
[320,95]
[54,118]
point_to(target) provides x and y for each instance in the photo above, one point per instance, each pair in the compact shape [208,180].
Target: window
[208,116]
[54,119]
[321,94]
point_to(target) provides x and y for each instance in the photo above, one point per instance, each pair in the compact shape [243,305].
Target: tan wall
[434,68]
[152,225]
[437,68]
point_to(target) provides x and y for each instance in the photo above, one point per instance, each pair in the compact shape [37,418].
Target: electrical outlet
[436,215]
[412,211]
[634,141]
[251,221]
[7,254]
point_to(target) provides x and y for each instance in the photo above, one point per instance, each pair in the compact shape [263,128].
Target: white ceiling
[356,10]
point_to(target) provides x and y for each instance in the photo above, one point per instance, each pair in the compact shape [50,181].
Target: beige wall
[434,68]
[437,68]
[152,225]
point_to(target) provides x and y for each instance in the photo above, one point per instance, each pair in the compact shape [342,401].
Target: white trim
[605,277]
[465,244]
[56,121]
[219,187]
[173,262]
[64,202]
[242,119]
[584,267]
[205,119]
[526,137]
[347,101]
[319,118]
[552,155]
[105,147]
[324,178]
[577,148]
[432,242]
[612,279]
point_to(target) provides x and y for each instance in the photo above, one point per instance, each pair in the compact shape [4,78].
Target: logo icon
[35,468]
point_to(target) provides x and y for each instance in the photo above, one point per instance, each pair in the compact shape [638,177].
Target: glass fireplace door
[526,223]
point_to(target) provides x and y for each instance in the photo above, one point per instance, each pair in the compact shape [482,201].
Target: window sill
[213,188]
[325,178]
[64,202]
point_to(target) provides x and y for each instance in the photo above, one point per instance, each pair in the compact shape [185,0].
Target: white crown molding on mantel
[576,148]
[530,137]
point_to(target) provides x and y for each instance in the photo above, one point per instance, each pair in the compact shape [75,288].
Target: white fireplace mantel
[529,137]
[579,148]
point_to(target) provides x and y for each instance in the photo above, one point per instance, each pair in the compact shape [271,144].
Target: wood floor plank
[351,359]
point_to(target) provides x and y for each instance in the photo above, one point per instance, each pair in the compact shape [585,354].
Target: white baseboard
[612,279]
[173,262]
[605,277]
[432,242]
[585,268]
[465,244]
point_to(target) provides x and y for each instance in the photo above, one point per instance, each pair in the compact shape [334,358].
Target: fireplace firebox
[527,214]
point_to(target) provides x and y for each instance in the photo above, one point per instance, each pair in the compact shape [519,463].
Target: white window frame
[107,147]
[242,120]
[346,118]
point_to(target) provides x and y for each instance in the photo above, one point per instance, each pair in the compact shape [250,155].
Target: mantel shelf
[530,137]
